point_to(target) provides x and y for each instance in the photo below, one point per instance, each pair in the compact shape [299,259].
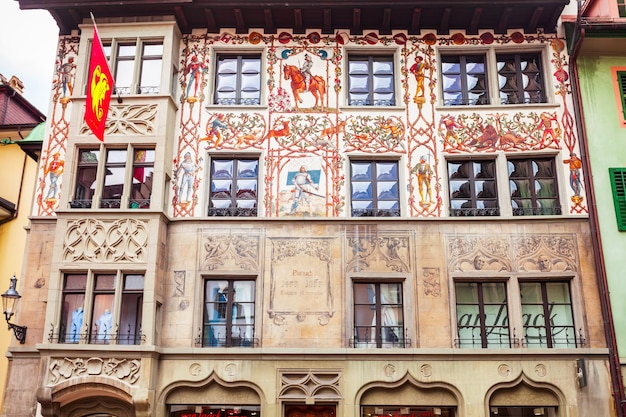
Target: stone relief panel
[223,250]
[134,119]
[303,384]
[546,253]
[301,270]
[126,370]
[432,282]
[99,241]
[371,250]
[514,253]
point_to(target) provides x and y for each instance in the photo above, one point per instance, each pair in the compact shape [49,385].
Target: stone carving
[134,119]
[432,282]
[377,251]
[123,369]
[426,370]
[541,370]
[301,270]
[229,252]
[504,370]
[546,253]
[98,241]
[473,253]
[304,384]
[179,283]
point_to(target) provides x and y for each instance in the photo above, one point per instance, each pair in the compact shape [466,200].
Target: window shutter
[621,80]
[618,183]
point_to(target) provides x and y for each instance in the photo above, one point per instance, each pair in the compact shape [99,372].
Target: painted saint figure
[424,176]
[301,181]
[54,171]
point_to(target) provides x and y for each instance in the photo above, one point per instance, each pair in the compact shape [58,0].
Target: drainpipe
[600,267]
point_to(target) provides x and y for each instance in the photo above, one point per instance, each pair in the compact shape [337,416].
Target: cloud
[28,43]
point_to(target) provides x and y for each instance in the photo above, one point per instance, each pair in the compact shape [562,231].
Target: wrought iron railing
[96,336]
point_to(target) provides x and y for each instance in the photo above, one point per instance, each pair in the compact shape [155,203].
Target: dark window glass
[114,174]
[464,80]
[238,80]
[533,187]
[86,175]
[520,78]
[228,313]
[378,315]
[473,190]
[143,174]
[371,81]
[375,188]
[234,185]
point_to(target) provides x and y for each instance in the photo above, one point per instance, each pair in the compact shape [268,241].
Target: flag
[99,88]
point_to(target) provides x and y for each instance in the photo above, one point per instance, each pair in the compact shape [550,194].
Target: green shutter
[618,183]
[621,81]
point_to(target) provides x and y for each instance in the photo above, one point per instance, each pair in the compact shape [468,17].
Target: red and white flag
[99,88]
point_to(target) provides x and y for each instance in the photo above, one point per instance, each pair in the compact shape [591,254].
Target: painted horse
[317,85]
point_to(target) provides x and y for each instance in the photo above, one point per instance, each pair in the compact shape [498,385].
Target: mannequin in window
[104,325]
[77,322]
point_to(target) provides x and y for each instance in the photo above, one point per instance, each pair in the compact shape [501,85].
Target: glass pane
[221,189]
[124,74]
[387,191]
[466,292]
[227,66]
[358,67]
[116,156]
[387,171]
[75,282]
[247,169]
[72,315]
[382,67]
[250,65]
[222,169]
[226,82]
[359,84]
[558,292]
[102,318]
[133,282]
[246,189]
[105,282]
[532,315]
[151,73]
[361,190]
[126,50]
[496,315]
[494,292]
[531,293]
[129,332]
[153,49]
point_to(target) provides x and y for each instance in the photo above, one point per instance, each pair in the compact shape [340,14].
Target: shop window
[406,411]
[101,309]
[238,80]
[464,80]
[531,411]
[375,189]
[228,319]
[618,185]
[378,315]
[547,315]
[217,410]
[473,189]
[234,187]
[109,182]
[533,186]
[137,66]
[482,315]
[371,80]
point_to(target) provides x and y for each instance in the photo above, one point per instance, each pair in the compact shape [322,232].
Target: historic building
[351,209]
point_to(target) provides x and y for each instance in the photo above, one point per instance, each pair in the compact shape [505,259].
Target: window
[238,80]
[464,80]
[473,190]
[233,187]
[406,411]
[102,308]
[370,81]
[378,315]
[621,84]
[110,182]
[228,313]
[621,7]
[547,315]
[533,187]
[618,184]
[137,66]
[481,314]
[520,78]
[375,188]
[244,410]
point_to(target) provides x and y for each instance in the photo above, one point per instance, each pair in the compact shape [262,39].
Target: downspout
[600,267]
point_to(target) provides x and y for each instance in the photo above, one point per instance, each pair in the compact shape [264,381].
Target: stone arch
[84,396]
[525,392]
[214,387]
[411,391]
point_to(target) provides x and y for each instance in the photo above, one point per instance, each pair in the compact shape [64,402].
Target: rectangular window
[238,80]
[234,185]
[547,315]
[110,181]
[371,80]
[618,185]
[621,7]
[375,188]
[228,313]
[621,83]
[464,80]
[378,315]
[407,411]
[102,309]
[533,185]
[520,78]
[473,190]
[482,315]
[136,65]
[216,410]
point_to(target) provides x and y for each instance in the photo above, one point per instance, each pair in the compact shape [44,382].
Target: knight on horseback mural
[306,71]
[302,81]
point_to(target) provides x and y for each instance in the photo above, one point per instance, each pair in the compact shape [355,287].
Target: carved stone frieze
[432,282]
[546,253]
[377,251]
[304,384]
[134,119]
[126,370]
[99,241]
[223,250]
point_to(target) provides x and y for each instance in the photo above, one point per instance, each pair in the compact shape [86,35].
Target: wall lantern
[10,299]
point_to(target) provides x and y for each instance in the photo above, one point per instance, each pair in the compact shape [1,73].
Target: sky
[28,43]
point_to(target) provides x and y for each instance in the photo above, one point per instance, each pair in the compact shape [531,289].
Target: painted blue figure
[188,168]
[302,181]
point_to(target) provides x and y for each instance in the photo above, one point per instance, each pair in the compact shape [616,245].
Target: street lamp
[9,303]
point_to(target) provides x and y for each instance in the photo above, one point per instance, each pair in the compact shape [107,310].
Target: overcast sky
[28,42]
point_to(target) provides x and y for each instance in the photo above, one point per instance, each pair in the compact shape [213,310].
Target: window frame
[519,88]
[371,58]
[473,197]
[240,56]
[375,210]
[233,210]
[101,166]
[91,313]
[617,176]
[618,75]
[205,338]
[463,75]
[535,209]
